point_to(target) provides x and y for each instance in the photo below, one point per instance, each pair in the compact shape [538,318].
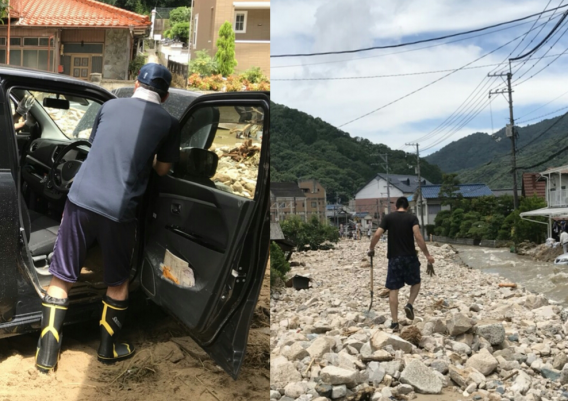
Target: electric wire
[541,116]
[544,105]
[417,41]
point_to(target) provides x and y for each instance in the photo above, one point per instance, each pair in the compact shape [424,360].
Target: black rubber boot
[112,319]
[49,344]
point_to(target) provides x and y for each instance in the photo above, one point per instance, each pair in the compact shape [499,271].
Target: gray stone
[564,375]
[339,391]
[514,337]
[404,389]
[440,366]
[320,346]
[381,339]
[295,389]
[493,332]
[531,357]
[458,323]
[550,374]
[559,360]
[475,308]
[282,372]
[535,301]
[564,314]
[366,350]
[421,378]
[376,373]
[483,362]
[334,375]
[471,388]
[275,395]
[392,367]
[431,344]
[522,383]
[386,393]
[296,352]
[324,389]
[460,348]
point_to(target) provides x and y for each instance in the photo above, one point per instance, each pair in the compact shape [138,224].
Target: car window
[234,134]
[73,115]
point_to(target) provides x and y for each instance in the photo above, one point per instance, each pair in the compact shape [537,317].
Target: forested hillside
[302,147]
[480,148]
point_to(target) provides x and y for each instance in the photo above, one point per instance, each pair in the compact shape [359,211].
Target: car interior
[211,155]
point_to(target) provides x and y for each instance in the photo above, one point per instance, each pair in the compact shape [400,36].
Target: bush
[311,235]
[180,14]
[278,264]
[135,64]
[203,64]
[253,75]
[180,31]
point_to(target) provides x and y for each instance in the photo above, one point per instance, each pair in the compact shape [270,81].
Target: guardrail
[177,68]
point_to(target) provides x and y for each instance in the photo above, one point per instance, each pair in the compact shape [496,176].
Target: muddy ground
[167,366]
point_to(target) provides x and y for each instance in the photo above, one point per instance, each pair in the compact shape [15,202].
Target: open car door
[207,230]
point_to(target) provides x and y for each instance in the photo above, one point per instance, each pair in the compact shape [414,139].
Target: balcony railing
[558,198]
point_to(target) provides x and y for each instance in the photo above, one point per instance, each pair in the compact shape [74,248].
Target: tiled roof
[286,190]
[406,183]
[466,190]
[74,13]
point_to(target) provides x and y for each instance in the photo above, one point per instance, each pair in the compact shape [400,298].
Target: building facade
[72,37]
[251,23]
[304,199]
[315,204]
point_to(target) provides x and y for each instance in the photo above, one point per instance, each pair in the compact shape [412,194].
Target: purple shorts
[79,229]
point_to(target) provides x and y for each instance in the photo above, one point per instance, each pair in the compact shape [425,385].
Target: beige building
[315,199]
[251,23]
[304,199]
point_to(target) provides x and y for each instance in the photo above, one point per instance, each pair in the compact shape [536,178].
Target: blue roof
[466,190]
[361,214]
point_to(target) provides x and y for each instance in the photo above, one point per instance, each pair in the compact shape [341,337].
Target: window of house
[240,21]
[195,30]
[15,41]
[314,204]
[2,41]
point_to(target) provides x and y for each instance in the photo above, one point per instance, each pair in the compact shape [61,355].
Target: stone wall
[117,51]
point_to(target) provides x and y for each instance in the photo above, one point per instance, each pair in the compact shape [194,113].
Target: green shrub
[225,55]
[253,75]
[180,31]
[203,64]
[278,264]
[311,235]
[135,64]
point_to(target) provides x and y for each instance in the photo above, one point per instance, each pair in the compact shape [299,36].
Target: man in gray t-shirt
[129,138]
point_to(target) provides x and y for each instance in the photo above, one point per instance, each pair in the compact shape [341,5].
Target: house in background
[72,37]
[555,182]
[315,198]
[286,198]
[251,23]
[372,198]
[533,184]
[433,203]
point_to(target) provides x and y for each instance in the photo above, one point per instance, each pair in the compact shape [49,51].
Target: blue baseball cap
[155,75]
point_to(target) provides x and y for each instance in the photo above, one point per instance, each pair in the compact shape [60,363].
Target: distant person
[564,240]
[369,232]
[404,266]
[341,231]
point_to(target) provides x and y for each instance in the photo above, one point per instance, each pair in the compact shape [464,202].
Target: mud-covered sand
[151,374]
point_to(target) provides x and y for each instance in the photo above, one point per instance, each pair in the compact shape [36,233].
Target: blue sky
[299,26]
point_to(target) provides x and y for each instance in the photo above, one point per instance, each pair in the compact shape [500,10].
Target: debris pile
[237,170]
[471,339]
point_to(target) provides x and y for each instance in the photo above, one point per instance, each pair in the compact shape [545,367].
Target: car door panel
[219,235]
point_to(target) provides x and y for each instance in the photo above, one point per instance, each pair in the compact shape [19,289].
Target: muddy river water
[539,277]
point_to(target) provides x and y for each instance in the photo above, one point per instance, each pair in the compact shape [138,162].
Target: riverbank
[471,339]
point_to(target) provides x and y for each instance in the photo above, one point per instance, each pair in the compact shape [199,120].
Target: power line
[544,40]
[427,85]
[417,41]
[546,104]
[542,133]
[272,67]
[544,115]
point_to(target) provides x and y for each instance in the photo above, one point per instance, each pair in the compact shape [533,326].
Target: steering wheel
[63,171]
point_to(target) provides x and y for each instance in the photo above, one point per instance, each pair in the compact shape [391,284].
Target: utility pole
[385,157]
[419,186]
[510,129]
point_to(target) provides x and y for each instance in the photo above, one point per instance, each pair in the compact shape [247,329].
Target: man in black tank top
[404,267]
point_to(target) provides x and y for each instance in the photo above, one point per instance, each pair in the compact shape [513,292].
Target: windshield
[72,115]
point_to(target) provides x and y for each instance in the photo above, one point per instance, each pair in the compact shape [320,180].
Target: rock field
[470,339]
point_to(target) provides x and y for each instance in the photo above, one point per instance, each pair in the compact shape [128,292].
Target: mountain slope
[302,146]
[480,148]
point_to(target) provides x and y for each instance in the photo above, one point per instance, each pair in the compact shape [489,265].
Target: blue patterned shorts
[403,270]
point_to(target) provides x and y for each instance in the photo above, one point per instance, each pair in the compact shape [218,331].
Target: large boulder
[423,379]
[483,361]
[522,383]
[282,372]
[381,339]
[458,323]
[336,376]
[492,332]
[535,301]
[320,346]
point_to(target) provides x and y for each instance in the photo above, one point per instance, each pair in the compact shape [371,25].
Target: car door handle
[175,208]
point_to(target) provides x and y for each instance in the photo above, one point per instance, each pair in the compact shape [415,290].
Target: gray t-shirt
[126,135]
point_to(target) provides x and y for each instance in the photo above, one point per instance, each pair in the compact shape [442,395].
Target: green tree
[448,190]
[180,31]
[455,222]
[311,235]
[520,230]
[278,264]
[203,64]
[225,55]
[180,14]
